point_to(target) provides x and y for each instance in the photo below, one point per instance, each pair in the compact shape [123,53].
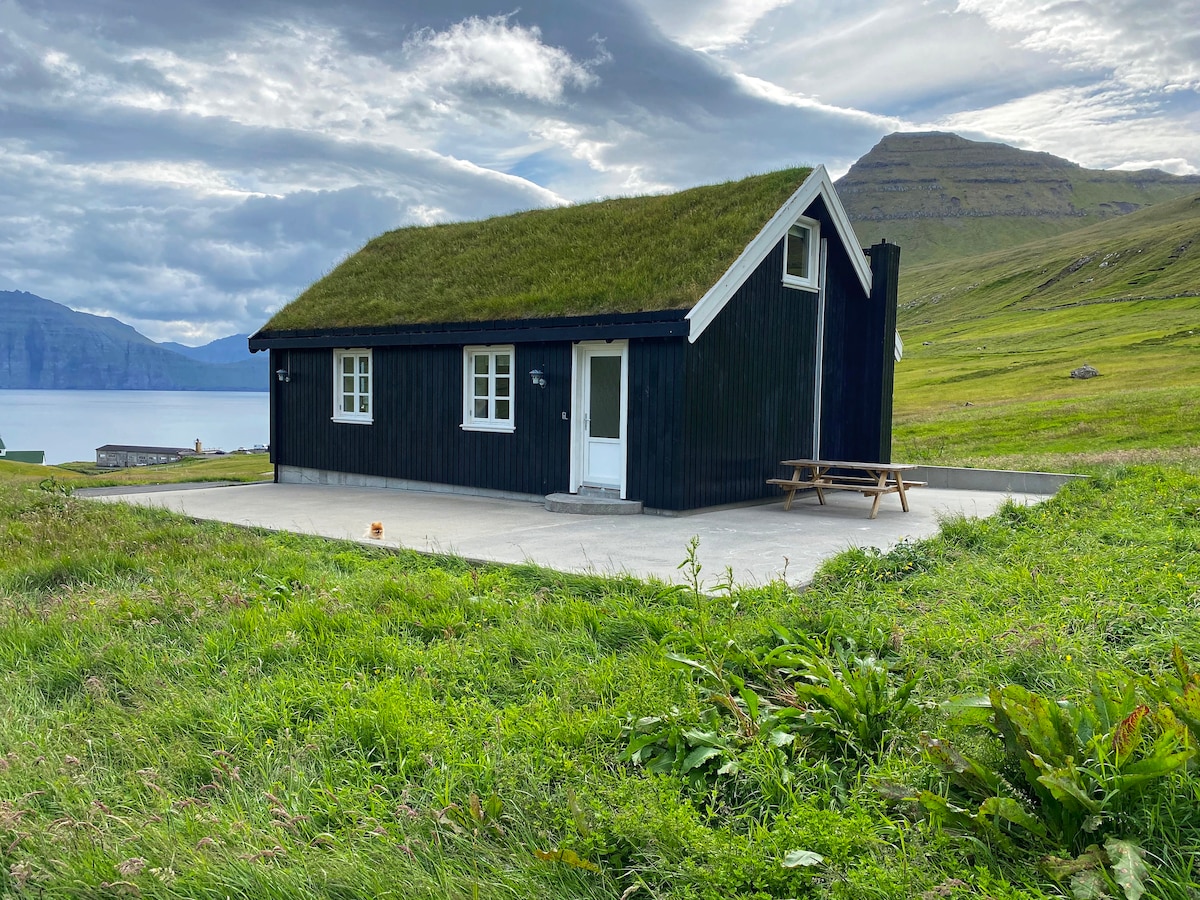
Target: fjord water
[70,425]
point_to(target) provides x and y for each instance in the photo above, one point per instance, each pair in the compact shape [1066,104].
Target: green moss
[614,256]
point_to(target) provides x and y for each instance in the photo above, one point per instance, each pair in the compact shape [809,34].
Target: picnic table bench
[869,479]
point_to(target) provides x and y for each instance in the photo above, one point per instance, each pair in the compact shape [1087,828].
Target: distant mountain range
[941,197]
[45,345]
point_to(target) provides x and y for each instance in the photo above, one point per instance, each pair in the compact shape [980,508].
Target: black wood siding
[750,383]
[654,465]
[416,433]
[856,396]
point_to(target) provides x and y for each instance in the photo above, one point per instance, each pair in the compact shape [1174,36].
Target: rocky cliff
[941,196]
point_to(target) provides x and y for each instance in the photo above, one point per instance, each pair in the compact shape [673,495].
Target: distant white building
[124,456]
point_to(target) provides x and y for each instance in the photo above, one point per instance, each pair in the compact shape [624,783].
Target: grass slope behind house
[990,343]
[613,256]
[196,710]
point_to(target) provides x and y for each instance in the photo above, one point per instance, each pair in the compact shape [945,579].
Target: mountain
[230,349]
[940,196]
[46,345]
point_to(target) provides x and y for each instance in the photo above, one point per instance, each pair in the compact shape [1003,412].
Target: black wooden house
[669,349]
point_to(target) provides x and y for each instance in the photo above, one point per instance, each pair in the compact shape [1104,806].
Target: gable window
[488,388]
[352,386]
[800,254]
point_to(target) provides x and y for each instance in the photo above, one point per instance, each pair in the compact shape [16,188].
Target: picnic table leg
[900,490]
[817,473]
[882,483]
[791,494]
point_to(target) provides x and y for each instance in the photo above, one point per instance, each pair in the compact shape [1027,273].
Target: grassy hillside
[990,343]
[232,467]
[194,710]
[942,197]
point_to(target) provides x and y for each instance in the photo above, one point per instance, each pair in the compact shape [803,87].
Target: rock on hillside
[941,196]
[46,345]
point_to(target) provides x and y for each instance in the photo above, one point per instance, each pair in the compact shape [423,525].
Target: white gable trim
[818,184]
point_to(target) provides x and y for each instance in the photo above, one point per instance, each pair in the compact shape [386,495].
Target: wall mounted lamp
[537,377]
[283,374]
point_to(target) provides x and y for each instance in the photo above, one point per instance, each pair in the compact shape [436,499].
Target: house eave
[619,326]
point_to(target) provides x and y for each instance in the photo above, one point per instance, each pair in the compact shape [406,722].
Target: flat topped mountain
[627,255]
[942,196]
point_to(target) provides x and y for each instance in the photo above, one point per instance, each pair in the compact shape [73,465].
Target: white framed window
[800,254]
[488,388]
[352,377]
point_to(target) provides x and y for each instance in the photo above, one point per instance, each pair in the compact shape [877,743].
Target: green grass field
[990,344]
[195,710]
[232,467]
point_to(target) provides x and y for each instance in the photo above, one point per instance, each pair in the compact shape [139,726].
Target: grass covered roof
[635,254]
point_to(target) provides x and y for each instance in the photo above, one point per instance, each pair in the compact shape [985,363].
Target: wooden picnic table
[869,479]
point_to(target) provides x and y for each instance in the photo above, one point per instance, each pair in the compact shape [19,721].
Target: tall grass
[195,710]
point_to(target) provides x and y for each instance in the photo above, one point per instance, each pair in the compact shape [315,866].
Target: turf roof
[636,254]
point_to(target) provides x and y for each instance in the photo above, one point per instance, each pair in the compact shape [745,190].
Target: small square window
[800,255]
[487,389]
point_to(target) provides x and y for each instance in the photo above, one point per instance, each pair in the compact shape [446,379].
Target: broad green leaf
[971,776]
[1066,786]
[1011,811]
[1128,864]
[797,858]
[1088,885]
[1127,736]
[1155,766]
[947,813]
[781,738]
[699,756]
[752,701]
[706,738]
[693,664]
[1058,868]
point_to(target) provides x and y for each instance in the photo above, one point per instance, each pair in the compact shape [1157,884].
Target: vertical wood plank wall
[416,433]
[655,451]
[749,390]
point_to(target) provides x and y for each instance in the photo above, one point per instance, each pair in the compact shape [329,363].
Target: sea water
[70,425]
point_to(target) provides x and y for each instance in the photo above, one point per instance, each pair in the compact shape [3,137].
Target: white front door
[600,410]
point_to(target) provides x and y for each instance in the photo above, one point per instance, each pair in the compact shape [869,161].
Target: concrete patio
[759,543]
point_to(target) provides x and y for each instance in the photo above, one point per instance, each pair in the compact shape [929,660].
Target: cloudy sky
[189,167]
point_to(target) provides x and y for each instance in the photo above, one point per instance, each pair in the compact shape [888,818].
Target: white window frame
[354,418]
[810,283]
[491,422]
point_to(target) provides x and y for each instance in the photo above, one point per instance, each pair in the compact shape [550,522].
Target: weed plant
[197,710]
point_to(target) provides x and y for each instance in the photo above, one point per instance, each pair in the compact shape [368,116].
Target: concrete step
[583,505]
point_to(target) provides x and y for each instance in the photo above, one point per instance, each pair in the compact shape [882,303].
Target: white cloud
[1098,128]
[495,54]
[709,25]
[1144,45]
